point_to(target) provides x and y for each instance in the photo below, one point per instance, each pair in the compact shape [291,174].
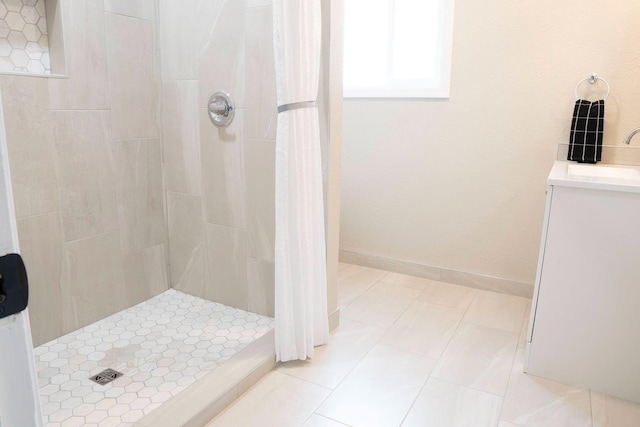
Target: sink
[601,176]
[602,171]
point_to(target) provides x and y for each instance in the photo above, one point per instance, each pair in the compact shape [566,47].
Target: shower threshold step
[164,348]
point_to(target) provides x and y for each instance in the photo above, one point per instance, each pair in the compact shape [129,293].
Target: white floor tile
[444,404]
[478,357]
[319,421]
[278,400]
[348,344]
[424,328]
[612,412]
[355,281]
[497,311]
[344,267]
[348,270]
[380,390]
[449,295]
[381,305]
[536,402]
[387,385]
[409,281]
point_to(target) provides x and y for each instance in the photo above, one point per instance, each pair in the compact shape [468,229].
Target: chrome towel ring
[592,79]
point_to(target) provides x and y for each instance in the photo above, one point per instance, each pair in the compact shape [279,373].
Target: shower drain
[105,377]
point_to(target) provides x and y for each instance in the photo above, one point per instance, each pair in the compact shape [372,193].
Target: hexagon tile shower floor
[24,43]
[161,346]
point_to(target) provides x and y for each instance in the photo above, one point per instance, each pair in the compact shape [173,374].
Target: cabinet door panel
[587,325]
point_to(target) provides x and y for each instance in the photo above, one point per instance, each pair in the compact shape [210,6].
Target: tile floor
[416,352]
[161,346]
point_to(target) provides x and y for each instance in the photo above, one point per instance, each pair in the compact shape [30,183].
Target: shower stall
[147,231]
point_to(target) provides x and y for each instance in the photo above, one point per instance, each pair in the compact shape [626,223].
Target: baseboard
[456,277]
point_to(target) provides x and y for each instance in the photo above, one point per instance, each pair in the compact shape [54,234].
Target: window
[397,48]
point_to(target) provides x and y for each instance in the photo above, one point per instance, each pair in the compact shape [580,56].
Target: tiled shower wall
[86,160]
[86,167]
[220,182]
[24,44]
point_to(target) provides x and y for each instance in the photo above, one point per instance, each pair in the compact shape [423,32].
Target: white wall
[460,183]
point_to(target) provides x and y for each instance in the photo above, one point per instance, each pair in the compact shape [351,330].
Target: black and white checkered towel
[587,128]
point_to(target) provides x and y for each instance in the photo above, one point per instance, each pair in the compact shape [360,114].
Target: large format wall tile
[259,3]
[222,56]
[143,9]
[186,243]
[261,103]
[138,165]
[28,127]
[41,247]
[180,136]
[223,171]
[86,59]
[259,158]
[93,285]
[178,37]
[133,79]
[87,187]
[226,266]
[260,287]
[145,274]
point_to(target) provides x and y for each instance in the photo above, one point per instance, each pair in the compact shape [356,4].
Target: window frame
[439,89]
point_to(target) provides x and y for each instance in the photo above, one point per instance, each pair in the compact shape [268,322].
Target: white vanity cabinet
[585,316]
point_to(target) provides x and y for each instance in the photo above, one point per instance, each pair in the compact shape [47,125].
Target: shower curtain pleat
[300,254]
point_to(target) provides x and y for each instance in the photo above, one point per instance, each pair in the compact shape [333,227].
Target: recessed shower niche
[30,35]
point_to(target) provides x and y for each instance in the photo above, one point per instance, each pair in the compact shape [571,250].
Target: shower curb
[199,403]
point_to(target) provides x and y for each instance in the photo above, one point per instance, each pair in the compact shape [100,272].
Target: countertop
[562,175]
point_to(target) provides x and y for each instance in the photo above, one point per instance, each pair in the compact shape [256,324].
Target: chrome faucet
[627,140]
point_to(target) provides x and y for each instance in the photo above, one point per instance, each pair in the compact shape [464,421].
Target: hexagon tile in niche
[160,346]
[24,44]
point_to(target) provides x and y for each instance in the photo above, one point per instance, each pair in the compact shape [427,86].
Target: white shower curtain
[300,254]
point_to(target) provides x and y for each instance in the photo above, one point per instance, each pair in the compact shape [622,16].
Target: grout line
[326,418]
[31,216]
[183,193]
[375,343]
[442,355]
[591,406]
[128,16]
[79,110]
[64,242]
[302,379]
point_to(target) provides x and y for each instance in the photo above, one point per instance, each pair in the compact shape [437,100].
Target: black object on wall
[14,286]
